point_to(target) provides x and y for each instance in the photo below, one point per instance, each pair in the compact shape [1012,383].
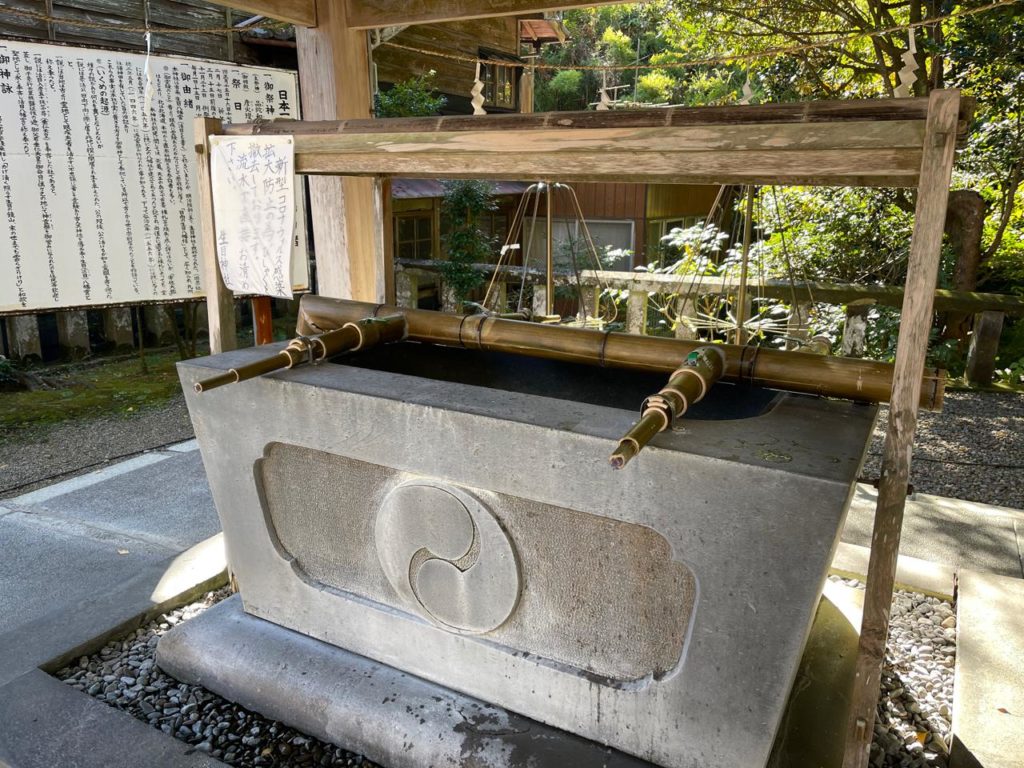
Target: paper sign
[254,209]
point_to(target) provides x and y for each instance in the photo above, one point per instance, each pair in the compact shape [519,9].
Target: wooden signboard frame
[904,143]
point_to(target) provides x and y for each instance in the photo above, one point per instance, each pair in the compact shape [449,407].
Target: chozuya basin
[452,514]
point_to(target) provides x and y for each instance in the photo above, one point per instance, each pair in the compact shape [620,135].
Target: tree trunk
[965,220]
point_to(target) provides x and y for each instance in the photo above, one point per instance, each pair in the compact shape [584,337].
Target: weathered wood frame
[906,143]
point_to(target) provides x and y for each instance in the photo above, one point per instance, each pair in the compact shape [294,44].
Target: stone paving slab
[90,557]
[45,724]
[988,710]
[165,503]
[961,534]
[47,563]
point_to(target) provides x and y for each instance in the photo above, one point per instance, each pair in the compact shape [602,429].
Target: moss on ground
[115,388]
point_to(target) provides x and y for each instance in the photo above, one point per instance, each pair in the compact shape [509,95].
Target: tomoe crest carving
[447,556]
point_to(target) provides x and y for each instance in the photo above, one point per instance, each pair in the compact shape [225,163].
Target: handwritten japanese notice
[98,185]
[254,209]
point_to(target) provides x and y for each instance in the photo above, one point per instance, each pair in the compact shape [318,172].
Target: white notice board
[98,196]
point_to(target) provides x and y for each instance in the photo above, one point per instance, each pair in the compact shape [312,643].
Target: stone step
[988,707]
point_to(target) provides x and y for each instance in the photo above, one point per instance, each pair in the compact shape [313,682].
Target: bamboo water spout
[350,337]
[849,378]
[687,385]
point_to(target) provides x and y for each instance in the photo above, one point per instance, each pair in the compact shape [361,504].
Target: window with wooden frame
[414,235]
[499,81]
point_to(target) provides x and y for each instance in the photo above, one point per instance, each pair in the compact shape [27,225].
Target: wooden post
[981,356]
[742,302]
[388,229]
[636,312]
[220,302]
[348,235]
[911,349]
[262,320]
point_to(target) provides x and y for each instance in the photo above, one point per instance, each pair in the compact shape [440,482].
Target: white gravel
[912,729]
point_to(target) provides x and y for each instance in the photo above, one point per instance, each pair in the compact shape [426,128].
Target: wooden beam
[865,143]
[911,349]
[858,110]
[220,302]
[301,13]
[369,14]
[869,153]
[334,76]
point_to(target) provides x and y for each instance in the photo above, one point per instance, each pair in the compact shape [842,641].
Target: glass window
[499,85]
[568,234]
[414,236]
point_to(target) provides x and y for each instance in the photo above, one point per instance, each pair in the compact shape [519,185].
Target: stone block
[451,514]
[73,332]
[118,326]
[23,337]
[159,327]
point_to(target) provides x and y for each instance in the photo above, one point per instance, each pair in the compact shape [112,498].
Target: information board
[98,188]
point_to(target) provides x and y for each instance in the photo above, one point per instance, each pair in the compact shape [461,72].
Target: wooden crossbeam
[301,13]
[863,143]
[369,14]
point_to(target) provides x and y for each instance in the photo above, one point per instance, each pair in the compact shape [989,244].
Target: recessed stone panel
[596,595]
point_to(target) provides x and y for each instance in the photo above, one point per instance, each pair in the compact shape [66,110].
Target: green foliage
[655,87]
[838,234]
[616,47]
[562,92]
[410,98]
[465,244]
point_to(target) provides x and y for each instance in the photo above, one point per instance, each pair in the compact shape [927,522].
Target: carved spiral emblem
[445,553]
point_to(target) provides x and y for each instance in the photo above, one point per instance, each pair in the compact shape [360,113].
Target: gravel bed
[124,675]
[912,730]
[973,449]
[40,456]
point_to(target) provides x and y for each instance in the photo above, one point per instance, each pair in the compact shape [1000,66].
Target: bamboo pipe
[350,337]
[850,378]
[687,385]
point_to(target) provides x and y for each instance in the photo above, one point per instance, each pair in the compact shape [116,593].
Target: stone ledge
[393,718]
